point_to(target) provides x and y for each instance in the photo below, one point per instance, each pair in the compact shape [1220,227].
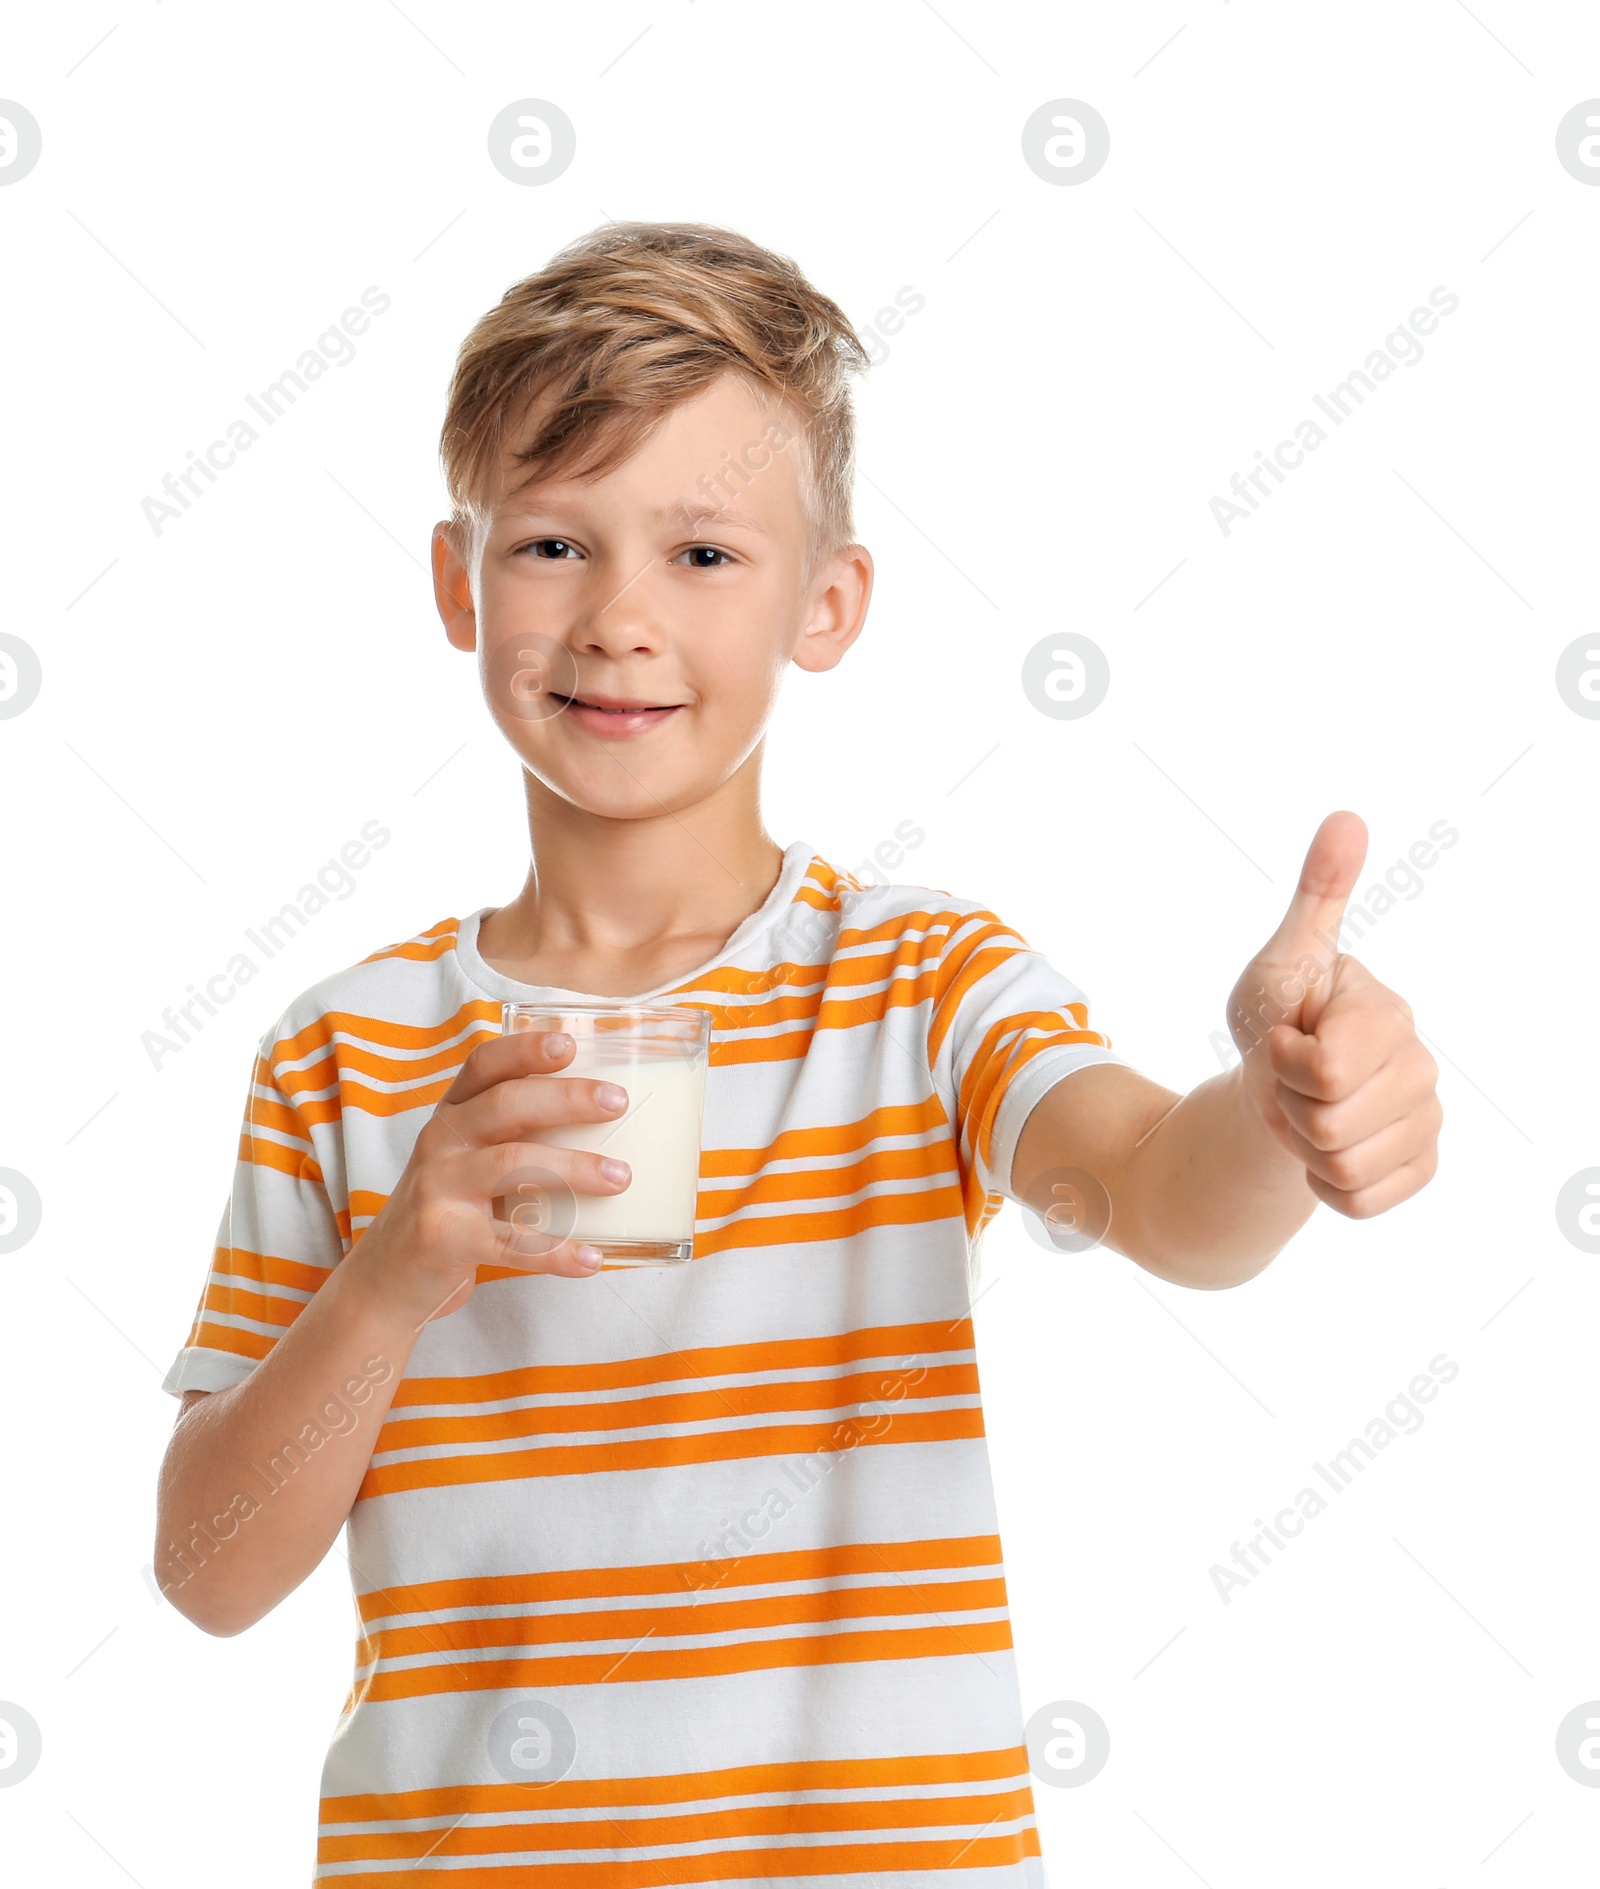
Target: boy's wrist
[1254,1083]
[365,1298]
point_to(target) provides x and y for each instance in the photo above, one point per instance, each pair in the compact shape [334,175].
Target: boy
[691,1575]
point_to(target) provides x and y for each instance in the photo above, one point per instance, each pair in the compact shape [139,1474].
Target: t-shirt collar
[797,858]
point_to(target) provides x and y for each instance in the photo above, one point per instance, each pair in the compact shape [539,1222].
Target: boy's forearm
[1209,1197]
[259,1479]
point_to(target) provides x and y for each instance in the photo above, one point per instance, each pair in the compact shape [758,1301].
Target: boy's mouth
[615,715]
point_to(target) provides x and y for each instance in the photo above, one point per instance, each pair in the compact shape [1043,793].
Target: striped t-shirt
[686,1574]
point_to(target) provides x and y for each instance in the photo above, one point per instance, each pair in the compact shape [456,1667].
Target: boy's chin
[606,791]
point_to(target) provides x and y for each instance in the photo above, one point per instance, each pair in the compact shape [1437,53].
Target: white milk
[659,1138]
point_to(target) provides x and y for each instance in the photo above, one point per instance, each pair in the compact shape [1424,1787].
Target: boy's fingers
[517,1110]
[565,1260]
[1346,1051]
[521,1249]
[523,1053]
[1363,1163]
[1403,1086]
[1367,1202]
[545,1180]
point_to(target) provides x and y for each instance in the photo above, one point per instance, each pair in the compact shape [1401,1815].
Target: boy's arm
[246,1510]
[1333,1100]
[259,1479]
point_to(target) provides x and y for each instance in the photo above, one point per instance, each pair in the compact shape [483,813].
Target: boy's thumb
[1310,927]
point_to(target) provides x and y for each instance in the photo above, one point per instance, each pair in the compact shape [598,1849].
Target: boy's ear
[839,600]
[452,589]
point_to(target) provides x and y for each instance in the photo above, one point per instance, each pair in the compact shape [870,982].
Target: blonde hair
[623,325]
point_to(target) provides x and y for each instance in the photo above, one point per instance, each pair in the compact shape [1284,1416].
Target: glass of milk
[659,1056]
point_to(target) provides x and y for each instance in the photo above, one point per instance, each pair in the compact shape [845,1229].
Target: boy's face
[670,583]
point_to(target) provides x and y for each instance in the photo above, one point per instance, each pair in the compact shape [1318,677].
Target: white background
[225,704]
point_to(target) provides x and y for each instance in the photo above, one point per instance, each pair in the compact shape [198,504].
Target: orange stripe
[661,1577]
[365,1205]
[294,1108]
[755,1820]
[651,1662]
[829,1184]
[837,985]
[240,1344]
[240,1291]
[698,1406]
[867,1859]
[256,1151]
[664,1452]
[358,1028]
[923,1208]
[964,966]
[825,1140]
[273,1112]
[243,1303]
[426,946]
[456,1038]
[993,1068]
[706,1616]
[769,1354]
[687,1787]
[264,1269]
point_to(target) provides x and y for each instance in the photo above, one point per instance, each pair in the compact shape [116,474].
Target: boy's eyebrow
[684,511]
[680,511]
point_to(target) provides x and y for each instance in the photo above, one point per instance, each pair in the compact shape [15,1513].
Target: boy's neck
[619,907]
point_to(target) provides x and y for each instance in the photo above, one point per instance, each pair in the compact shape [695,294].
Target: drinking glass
[659,1055]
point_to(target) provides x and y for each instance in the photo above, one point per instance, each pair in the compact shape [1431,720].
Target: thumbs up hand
[1331,1058]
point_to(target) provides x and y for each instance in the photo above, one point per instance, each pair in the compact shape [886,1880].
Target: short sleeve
[279,1236]
[1006,1027]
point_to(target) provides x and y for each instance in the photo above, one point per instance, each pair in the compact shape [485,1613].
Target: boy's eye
[703,557]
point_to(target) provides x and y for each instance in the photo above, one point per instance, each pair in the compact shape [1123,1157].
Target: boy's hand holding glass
[438,1226]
